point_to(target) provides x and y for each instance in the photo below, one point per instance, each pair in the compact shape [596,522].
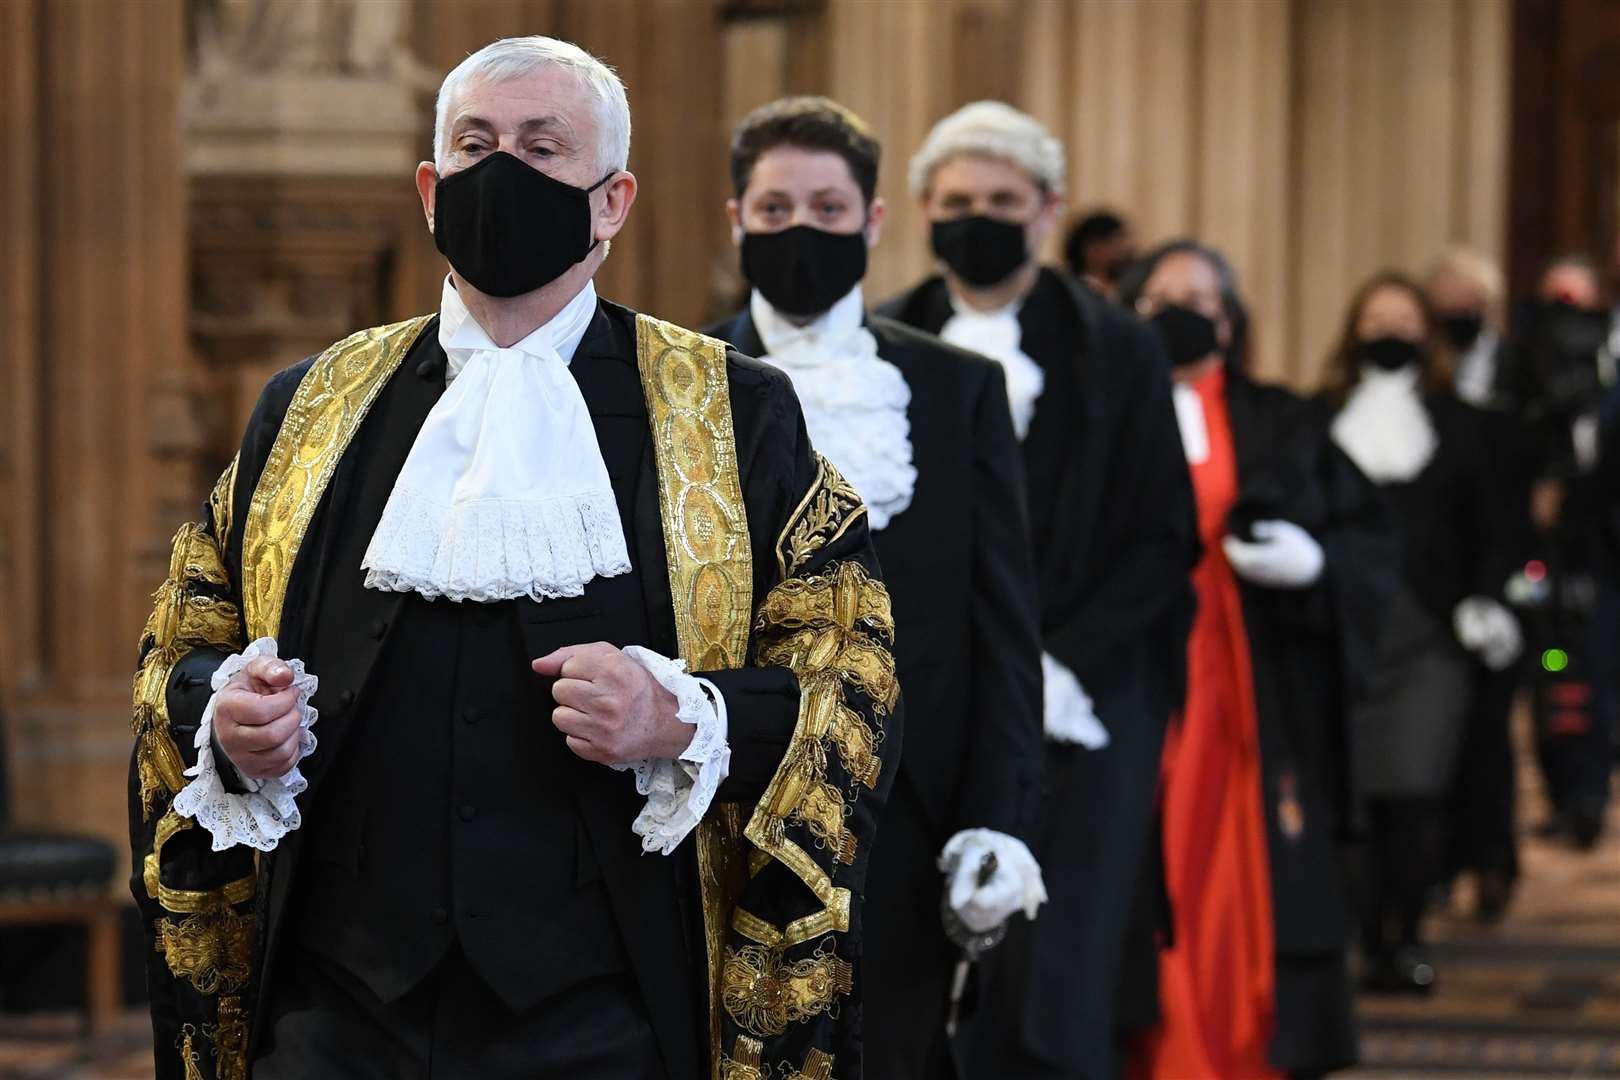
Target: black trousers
[324,1022]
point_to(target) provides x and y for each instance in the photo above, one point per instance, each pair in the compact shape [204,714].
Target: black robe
[1114,529]
[1310,651]
[958,568]
[653,899]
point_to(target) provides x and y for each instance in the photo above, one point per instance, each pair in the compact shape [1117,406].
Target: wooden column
[94,293]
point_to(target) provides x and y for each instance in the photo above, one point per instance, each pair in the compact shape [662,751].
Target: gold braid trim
[764,993]
[711,582]
[818,1065]
[183,618]
[230,1038]
[827,510]
[333,398]
[743,1063]
[213,949]
[189,1060]
[187,901]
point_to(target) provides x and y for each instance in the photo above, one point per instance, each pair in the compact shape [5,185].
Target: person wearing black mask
[922,430]
[561,584]
[1300,555]
[1465,288]
[1395,414]
[1114,532]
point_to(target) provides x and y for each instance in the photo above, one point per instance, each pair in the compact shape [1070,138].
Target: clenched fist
[256,719]
[610,708]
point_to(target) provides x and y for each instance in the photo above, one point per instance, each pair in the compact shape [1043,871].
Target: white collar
[781,334]
[854,401]
[460,335]
[504,493]
[1384,426]
[999,336]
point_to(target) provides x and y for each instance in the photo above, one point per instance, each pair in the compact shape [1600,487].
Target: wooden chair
[57,879]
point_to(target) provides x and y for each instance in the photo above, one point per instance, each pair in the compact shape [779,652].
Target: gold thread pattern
[213,949]
[190,1062]
[743,1063]
[818,1065]
[827,510]
[229,1035]
[710,561]
[764,993]
[333,398]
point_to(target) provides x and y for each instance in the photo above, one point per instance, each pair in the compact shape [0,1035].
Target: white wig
[991,129]
[513,58]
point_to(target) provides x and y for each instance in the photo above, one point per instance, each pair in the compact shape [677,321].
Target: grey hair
[990,129]
[515,57]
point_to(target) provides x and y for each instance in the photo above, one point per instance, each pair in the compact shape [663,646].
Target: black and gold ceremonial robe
[756,568]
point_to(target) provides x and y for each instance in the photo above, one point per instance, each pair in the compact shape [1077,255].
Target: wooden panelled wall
[1313,140]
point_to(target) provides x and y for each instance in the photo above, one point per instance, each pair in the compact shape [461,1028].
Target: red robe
[1217,982]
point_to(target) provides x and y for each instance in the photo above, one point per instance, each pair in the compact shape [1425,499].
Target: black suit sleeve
[1006,736]
[1142,577]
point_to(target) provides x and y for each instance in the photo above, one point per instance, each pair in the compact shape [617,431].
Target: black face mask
[1463,330]
[1188,336]
[982,251]
[509,229]
[803,270]
[1389,353]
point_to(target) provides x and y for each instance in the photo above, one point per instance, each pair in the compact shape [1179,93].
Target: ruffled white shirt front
[854,401]
[998,335]
[504,493]
[1384,426]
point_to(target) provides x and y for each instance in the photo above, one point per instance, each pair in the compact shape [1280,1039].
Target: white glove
[1281,556]
[1070,716]
[1016,883]
[1485,627]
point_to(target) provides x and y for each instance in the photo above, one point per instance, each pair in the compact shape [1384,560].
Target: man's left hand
[610,708]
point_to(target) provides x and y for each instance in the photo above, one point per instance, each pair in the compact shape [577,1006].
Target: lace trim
[495,549]
[854,405]
[1070,715]
[268,812]
[679,790]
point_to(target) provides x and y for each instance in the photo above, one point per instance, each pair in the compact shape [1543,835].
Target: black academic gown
[1310,651]
[1114,530]
[337,626]
[958,568]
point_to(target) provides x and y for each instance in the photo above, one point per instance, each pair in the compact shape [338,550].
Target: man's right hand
[256,719]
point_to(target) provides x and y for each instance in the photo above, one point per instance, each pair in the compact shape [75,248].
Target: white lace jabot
[997,335]
[854,401]
[504,493]
[1384,427]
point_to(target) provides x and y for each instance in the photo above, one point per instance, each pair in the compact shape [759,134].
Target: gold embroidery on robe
[825,513]
[213,948]
[764,993]
[706,546]
[326,410]
[743,1063]
[818,1065]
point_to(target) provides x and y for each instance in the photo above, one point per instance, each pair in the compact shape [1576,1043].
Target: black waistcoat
[455,781]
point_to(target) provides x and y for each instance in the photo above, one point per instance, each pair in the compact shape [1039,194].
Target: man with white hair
[600,657]
[1113,530]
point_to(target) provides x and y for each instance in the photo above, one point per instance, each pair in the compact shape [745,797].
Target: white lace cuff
[267,812]
[679,790]
[1070,717]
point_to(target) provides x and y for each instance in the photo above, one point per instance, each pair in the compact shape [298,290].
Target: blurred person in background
[1114,534]
[1300,555]
[922,430]
[1395,414]
[1099,250]
[1565,349]
[1465,289]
